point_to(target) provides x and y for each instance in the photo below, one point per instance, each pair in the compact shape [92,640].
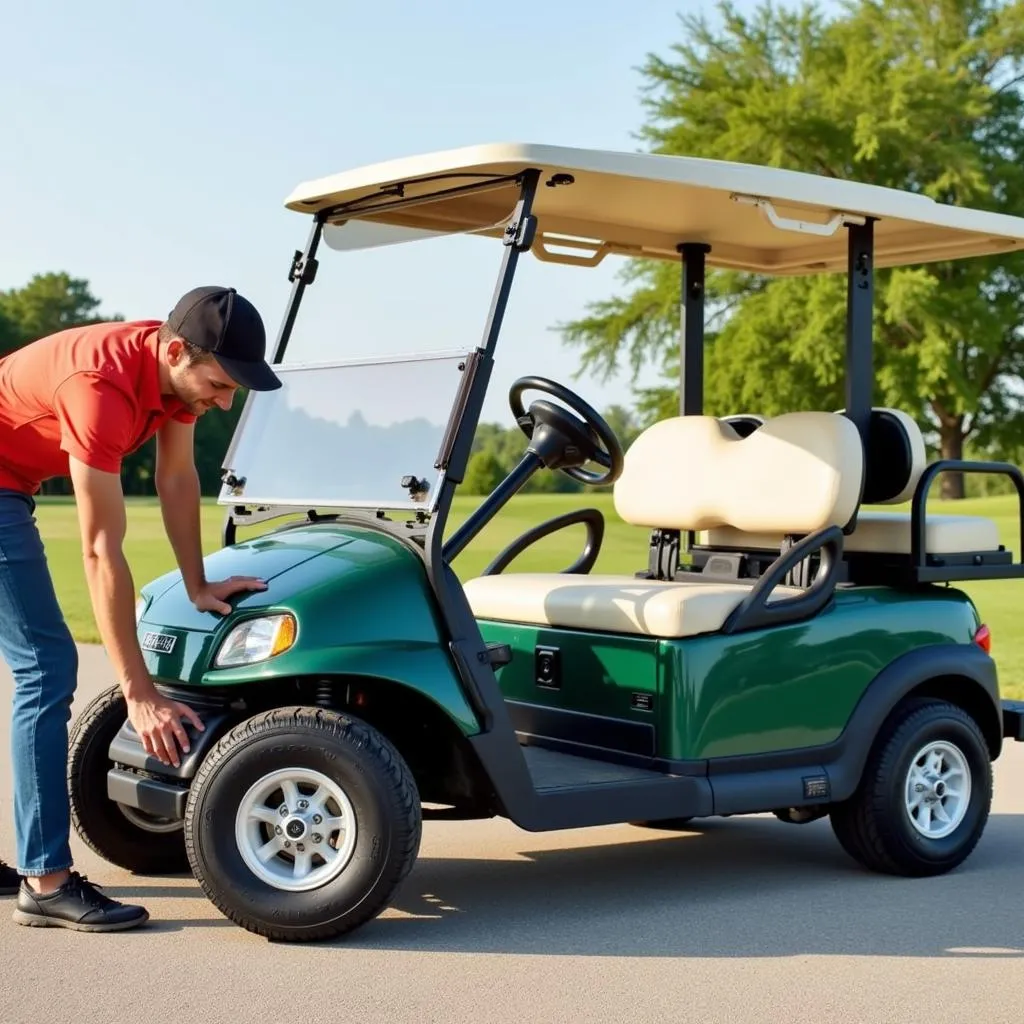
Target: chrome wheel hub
[295,829]
[938,789]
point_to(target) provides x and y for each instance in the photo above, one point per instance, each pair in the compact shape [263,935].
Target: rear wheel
[301,824]
[924,799]
[122,835]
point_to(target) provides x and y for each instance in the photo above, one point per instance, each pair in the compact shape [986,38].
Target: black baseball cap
[228,326]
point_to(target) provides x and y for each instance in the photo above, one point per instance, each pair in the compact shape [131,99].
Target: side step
[568,791]
[551,770]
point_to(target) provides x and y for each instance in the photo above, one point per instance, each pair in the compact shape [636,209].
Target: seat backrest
[797,473]
[896,457]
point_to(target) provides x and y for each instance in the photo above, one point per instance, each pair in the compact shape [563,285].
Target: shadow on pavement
[749,887]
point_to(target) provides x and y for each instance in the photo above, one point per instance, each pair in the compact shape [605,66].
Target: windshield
[359,434]
[371,370]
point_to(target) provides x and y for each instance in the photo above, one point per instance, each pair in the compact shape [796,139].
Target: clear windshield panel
[349,435]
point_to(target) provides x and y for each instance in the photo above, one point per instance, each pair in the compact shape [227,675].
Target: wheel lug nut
[283,810]
[300,847]
[278,830]
[317,838]
[317,819]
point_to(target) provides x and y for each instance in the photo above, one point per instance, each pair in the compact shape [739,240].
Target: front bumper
[138,779]
[152,796]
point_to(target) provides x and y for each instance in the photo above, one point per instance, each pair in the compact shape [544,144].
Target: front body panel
[360,597]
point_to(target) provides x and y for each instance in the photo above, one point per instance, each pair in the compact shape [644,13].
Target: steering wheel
[582,438]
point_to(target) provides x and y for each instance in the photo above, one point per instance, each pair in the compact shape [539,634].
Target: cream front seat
[797,474]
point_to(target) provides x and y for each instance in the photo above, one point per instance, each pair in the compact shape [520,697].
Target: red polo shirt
[88,392]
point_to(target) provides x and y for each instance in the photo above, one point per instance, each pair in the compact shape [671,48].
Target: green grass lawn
[1001,603]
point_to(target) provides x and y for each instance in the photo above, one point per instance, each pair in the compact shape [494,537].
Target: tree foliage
[47,304]
[923,96]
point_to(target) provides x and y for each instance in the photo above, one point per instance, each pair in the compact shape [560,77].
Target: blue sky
[149,148]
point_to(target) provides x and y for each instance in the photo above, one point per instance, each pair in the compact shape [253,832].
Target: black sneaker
[78,905]
[10,880]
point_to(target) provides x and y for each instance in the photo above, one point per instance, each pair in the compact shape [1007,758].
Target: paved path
[745,920]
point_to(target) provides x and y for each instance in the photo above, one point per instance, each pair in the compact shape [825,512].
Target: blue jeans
[37,645]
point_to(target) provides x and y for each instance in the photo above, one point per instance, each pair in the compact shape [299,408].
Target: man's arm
[177,484]
[101,516]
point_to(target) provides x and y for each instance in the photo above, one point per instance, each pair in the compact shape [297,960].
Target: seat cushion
[882,533]
[608,604]
[889,532]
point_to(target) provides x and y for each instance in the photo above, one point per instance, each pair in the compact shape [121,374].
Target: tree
[901,93]
[47,304]
[483,473]
[8,331]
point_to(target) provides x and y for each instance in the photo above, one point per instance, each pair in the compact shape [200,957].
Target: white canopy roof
[759,219]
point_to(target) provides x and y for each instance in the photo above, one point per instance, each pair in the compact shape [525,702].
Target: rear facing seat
[896,459]
[795,474]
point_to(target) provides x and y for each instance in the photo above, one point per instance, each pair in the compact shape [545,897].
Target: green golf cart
[787,645]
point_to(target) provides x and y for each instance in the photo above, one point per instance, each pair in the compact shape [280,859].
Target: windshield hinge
[303,269]
[236,484]
[520,233]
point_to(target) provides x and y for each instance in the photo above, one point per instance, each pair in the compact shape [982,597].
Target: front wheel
[925,796]
[301,824]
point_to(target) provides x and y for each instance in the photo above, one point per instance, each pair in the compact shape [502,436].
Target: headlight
[256,640]
[140,607]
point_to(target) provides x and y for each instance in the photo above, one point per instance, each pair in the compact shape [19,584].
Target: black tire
[874,826]
[117,834]
[373,777]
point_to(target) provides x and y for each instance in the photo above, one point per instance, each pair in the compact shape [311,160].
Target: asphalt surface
[743,919]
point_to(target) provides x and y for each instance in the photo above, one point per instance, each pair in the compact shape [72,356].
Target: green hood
[294,560]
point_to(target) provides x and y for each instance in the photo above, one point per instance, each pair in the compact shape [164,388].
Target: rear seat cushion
[880,533]
[609,604]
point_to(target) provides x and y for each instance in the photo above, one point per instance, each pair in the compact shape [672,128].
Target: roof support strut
[691,311]
[859,306]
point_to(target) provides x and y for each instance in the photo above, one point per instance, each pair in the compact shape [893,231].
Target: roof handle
[807,227]
[544,252]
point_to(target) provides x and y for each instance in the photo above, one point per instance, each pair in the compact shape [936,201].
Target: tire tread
[864,824]
[347,729]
